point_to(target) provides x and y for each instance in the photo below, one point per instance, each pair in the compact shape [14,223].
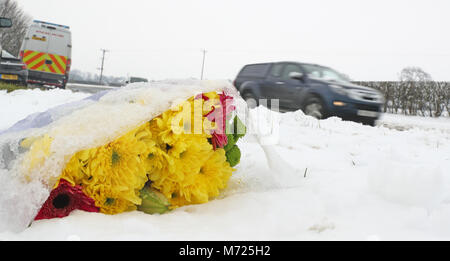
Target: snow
[312,180]
[21,103]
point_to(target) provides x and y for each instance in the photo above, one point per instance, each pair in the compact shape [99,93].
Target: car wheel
[370,122]
[250,99]
[314,107]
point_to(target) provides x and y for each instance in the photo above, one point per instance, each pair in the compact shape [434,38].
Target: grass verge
[11,87]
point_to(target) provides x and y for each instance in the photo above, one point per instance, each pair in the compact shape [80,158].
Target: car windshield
[323,73]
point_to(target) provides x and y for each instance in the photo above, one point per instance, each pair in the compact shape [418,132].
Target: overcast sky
[159,39]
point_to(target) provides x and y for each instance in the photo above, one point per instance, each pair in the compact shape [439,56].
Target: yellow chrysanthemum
[186,118]
[77,170]
[113,174]
[39,150]
[198,188]
[117,173]
[194,176]
[162,127]
[186,156]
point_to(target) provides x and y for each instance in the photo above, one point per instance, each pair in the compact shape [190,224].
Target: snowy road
[350,182]
[86,88]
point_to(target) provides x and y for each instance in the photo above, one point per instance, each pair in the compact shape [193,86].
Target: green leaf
[153,201]
[234,131]
[239,128]
[231,142]
[234,156]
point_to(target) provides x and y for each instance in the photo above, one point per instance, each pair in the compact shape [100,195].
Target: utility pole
[104,51]
[203,64]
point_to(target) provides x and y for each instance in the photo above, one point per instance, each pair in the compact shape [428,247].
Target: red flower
[219,138]
[202,96]
[63,200]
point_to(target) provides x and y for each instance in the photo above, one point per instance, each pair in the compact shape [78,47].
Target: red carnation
[219,138]
[63,200]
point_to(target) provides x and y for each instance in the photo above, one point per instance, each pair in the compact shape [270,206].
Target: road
[76,87]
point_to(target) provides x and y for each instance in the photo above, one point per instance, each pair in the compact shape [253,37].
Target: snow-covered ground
[21,103]
[344,181]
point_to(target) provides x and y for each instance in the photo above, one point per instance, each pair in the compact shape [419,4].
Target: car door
[292,87]
[274,86]
[57,51]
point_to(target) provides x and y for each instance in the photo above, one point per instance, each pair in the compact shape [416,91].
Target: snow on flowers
[184,156]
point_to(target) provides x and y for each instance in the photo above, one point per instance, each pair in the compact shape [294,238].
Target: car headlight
[338,89]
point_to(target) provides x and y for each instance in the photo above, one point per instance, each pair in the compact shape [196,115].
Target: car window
[290,68]
[276,70]
[323,73]
[255,70]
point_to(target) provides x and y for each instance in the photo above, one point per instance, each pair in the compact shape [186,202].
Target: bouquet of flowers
[185,155]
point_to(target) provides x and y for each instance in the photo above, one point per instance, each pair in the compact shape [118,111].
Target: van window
[276,70]
[290,68]
[255,70]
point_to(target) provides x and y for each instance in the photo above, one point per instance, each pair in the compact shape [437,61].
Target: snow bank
[21,103]
[402,122]
[322,180]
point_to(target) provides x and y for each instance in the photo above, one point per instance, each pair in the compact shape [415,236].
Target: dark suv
[319,91]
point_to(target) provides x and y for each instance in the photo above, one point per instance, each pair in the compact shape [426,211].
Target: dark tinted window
[137,79]
[323,73]
[290,68]
[258,70]
[276,70]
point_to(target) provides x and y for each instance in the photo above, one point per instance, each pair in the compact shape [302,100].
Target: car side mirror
[296,76]
[5,22]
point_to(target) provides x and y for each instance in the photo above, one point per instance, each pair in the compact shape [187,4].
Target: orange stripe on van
[26,53]
[37,56]
[38,65]
[64,59]
[50,67]
[56,62]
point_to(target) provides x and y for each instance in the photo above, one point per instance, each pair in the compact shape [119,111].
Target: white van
[47,52]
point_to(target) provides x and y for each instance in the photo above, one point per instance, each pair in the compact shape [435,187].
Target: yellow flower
[197,177]
[162,127]
[39,150]
[76,170]
[213,177]
[116,174]
[186,156]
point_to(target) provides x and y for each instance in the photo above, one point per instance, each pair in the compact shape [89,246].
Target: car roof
[313,64]
[300,63]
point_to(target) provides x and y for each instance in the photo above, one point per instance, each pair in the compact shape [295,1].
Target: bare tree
[416,91]
[11,39]
[414,74]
